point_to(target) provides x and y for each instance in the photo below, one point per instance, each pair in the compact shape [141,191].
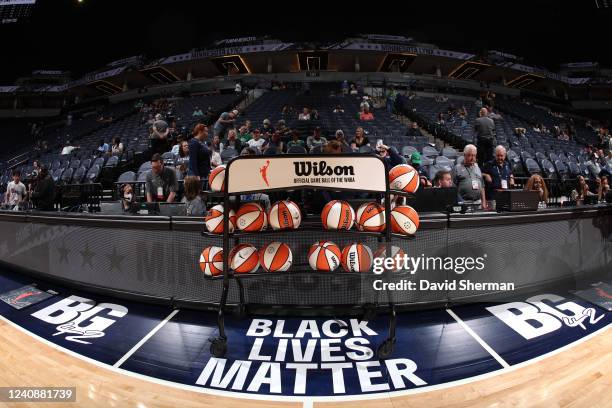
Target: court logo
[543,314]
[264,172]
[80,319]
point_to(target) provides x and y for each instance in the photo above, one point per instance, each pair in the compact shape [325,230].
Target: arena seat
[296,150]
[144,167]
[532,166]
[169,158]
[92,174]
[67,175]
[78,175]
[429,151]
[228,154]
[142,177]
[408,150]
[127,177]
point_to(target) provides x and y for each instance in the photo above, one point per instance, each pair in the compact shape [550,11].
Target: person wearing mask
[127,196]
[468,178]
[43,195]
[484,128]
[161,183]
[497,174]
[199,154]
[536,183]
[193,201]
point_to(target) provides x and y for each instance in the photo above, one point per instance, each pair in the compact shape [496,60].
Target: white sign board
[342,172]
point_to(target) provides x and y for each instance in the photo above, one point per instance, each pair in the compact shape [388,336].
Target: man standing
[497,173]
[159,135]
[224,123]
[15,191]
[161,183]
[484,128]
[199,154]
[468,178]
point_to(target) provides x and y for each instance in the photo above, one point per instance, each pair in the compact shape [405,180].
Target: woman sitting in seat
[536,183]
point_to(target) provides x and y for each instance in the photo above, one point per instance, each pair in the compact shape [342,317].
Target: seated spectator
[215,144]
[244,135]
[338,109]
[497,173]
[415,161]
[295,140]
[389,156]
[316,139]
[366,115]
[342,140]
[332,147]
[183,155]
[15,191]
[177,145]
[103,147]
[267,128]
[127,196]
[232,141]
[581,190]
[468,178]
[360,139]
[249,126]
[274,142]
[287,110]
[197,113]
[536,183]
[443,179]
[199,162]
[413,130]
[161,183]
[364,103]
[68,148]
[314,114]
[116,146]
[195,205]
[257,141]
[305,115]
[282,129]
[603,188]
[43,195]
[224,123]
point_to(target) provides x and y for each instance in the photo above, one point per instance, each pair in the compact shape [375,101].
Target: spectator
[238,88]
[295,140]
[249,126]
[199,154]
[287,111]
[536,183]
[267,128]
[159,135]
[332,147]
[604,188]
[338,109]
[414,131]
[342,140]
[127,196]
[305,115]
[43,195]
[232,141]
[484,127]
[195,205]
[415,161]
[183,155]
[116,146]
[468,178]
[15,191]
[314,114]
[275,143]
[244,134]
[581,190]
[161,183]
[443,179]
[68,148]
[224,123]
[216,145]
[389,156]
[103,147]
[35,170]
[360,139]
[497,173]
[175,149]
[257,141]
[282,129]
[366,115]
[364,103]
[197,113]
[316,139]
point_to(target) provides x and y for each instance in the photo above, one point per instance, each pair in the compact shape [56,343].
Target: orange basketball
[371,217]
[251,217]
[244,258]
[214,220]
[211,261]
[276,257]
[284,215]
[337,214]
[404,177]
[404,220]
[324,256]
[356,258]
[216,178]
[381,252]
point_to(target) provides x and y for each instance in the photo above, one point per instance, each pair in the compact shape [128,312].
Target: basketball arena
[241,213]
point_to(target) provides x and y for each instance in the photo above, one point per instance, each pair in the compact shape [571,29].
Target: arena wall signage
[356,173]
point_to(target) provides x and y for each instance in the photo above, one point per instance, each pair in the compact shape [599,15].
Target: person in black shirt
[199,154]
[43,195]
[497,174]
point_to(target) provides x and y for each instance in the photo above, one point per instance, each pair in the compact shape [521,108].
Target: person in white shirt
[305,115]
[15,191]
[68,148]
[257,141]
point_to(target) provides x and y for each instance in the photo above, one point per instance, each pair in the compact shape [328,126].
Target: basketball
[371,217]
[381,252]
[251,217]
[244,258]
[324,256]
[276,257]
[404,177]
[404,220]
[214,220]
[211,261]
[216,178]
[337,214]
[284,215]
[356,257]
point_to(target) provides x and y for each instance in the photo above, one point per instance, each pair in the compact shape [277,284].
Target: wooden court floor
[580,376]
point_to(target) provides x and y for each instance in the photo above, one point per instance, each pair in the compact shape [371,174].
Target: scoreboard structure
[13,11]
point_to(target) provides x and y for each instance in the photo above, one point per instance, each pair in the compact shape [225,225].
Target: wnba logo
[321,169]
